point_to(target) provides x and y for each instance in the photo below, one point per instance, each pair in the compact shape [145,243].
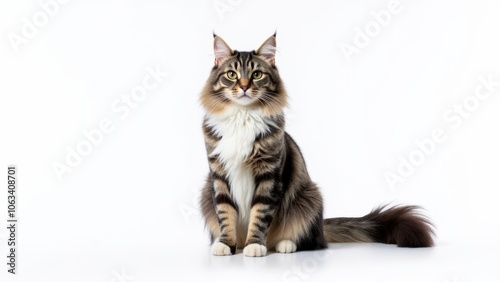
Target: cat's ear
[222,51]
[268,49]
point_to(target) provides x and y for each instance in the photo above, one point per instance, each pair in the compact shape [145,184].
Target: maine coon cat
[258,194]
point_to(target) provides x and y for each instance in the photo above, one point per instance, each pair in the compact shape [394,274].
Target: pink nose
[244,87]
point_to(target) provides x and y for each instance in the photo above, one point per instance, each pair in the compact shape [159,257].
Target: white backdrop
[99,112]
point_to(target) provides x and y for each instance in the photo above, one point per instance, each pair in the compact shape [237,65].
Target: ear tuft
[222,51]
[268,49]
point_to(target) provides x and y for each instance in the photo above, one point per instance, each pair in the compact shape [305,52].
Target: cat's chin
[244,101]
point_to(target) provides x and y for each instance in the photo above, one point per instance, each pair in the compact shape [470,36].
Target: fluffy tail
[400,225]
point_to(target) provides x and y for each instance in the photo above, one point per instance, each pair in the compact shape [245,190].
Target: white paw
[286,246]
[220,249]
[255,250]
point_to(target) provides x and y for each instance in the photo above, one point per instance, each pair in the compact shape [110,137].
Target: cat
[258,194]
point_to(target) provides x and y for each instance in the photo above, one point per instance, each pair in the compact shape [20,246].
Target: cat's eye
[232,75]
[257,75]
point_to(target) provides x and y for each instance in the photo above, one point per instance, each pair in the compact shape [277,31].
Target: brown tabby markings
[285,203]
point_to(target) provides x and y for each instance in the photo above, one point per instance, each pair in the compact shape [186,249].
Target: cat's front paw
[221,249]
[255,250]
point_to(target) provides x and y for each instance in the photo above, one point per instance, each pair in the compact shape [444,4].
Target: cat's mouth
[244,96]
[244,99]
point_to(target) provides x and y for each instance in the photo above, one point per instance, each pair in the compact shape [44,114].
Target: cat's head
[244,79]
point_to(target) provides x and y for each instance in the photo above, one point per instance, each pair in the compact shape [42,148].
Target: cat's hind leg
[286,246]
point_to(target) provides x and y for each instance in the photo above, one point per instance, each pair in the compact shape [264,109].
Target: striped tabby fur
[258,194]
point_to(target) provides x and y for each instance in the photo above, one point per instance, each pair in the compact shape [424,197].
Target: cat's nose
[244,87]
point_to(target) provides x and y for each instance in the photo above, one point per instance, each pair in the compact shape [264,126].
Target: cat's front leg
[261,215]
[227,215]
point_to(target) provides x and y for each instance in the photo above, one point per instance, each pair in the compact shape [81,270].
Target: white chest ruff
[238,129]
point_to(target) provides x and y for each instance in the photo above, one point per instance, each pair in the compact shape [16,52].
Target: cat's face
[244,79]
